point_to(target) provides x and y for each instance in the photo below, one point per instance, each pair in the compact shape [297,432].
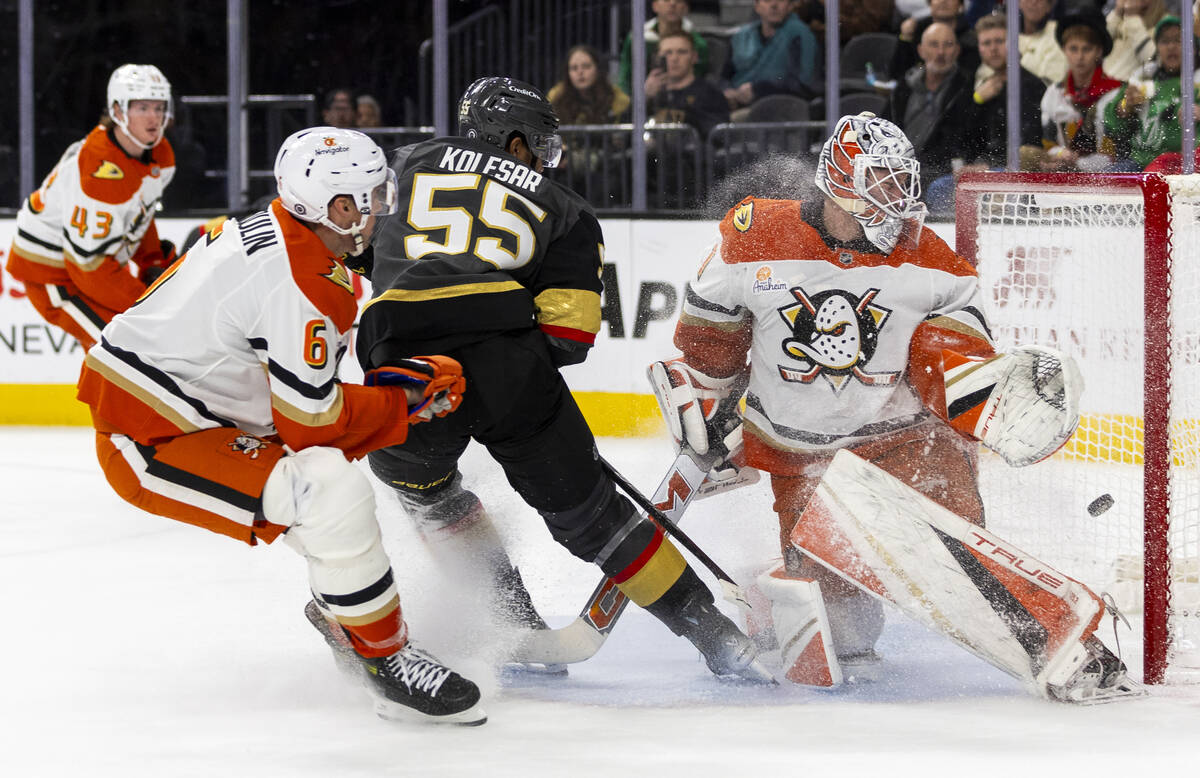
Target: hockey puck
[1100,504]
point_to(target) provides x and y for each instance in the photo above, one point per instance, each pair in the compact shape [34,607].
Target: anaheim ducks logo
[109,171]
[743,216]
[248,445]
[340,276]
[835,334]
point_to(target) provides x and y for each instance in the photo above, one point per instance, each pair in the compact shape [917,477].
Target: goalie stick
[687,478]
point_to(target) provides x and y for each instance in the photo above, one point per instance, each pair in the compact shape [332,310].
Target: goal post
[1105,267]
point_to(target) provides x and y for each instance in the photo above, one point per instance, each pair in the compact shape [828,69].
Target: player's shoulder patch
[743,215]
[105,171]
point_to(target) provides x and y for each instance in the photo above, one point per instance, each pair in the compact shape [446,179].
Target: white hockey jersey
[246,331]
[844,343]
[93,214]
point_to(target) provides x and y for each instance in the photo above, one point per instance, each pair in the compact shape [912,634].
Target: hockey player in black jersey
[496,265]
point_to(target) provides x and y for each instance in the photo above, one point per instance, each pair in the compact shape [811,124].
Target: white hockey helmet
[138,82]
[868,167]
[320,163]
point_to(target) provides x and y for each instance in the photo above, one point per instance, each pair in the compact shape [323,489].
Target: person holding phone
[673,92]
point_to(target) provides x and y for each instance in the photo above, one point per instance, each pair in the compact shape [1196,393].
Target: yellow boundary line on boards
[1113,438]
[610,414]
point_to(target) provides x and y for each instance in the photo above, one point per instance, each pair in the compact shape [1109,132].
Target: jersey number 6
[462,196]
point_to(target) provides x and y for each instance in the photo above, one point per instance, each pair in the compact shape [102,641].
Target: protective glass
[547,148]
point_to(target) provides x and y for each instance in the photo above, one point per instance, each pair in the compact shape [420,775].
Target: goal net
[1106,269]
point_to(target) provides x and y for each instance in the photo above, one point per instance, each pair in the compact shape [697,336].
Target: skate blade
[861,668]
[755,673]
[535,668]
[394,711]
[1124,690]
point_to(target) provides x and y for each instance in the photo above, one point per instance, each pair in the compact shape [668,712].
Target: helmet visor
[547,147]
[383,196]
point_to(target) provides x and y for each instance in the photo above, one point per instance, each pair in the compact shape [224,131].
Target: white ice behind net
[1066,270]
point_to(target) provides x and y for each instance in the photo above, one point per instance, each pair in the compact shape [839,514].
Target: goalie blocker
[1011,610]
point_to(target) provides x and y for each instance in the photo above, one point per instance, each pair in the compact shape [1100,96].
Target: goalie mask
[868,168]
[493,109]
[318,164]
[138,82]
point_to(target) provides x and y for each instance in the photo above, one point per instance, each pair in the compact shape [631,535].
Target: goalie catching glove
[700,410]
[434,385]
[1023,405]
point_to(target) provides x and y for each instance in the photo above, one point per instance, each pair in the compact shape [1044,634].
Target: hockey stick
[582,638]
[732,591]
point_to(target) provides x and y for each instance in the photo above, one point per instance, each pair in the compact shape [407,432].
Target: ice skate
[727,651]
[412,685]
[409,685]
[1101,678]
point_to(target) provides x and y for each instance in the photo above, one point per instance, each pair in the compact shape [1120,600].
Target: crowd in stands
[343,107]
[1100,81]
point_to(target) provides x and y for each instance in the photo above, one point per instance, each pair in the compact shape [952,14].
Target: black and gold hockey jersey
[480,244]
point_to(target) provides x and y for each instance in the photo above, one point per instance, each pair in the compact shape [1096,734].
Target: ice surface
[137,646]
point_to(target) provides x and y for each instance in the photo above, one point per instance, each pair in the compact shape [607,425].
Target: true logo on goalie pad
[992,599]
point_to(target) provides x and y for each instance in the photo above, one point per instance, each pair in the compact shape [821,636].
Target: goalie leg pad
[802,629]
[1013,611]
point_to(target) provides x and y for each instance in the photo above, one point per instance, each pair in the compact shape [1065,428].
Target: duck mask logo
[834,334]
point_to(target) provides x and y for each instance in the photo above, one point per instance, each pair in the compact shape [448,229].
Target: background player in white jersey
[499,267]
[860,329]
[216,402]
[94,213]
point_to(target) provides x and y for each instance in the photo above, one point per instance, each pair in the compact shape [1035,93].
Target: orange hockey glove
[438,378]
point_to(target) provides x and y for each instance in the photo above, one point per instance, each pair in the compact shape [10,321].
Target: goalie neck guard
[869,169]
[495,108]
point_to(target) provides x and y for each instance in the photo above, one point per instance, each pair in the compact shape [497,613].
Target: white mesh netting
[1066,269]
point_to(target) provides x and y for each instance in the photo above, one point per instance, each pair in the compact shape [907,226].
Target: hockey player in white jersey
[216,402]
[861,330]
[93,215]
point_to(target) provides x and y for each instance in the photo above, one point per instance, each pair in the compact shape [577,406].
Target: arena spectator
[583,94]
[930,104]
[855,17]
[1142,119]
[950,12]
[1069,109]
[985,131]
[778,54]
[367,112]
[337,109]
[669,16]
[1040,52]
[1129,24]
[675,94]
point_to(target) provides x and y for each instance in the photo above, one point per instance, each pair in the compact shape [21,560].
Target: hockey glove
[699,410]
[1023,405]
[150,268]
[436,380]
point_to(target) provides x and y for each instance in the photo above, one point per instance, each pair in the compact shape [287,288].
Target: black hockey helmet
[494,108]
